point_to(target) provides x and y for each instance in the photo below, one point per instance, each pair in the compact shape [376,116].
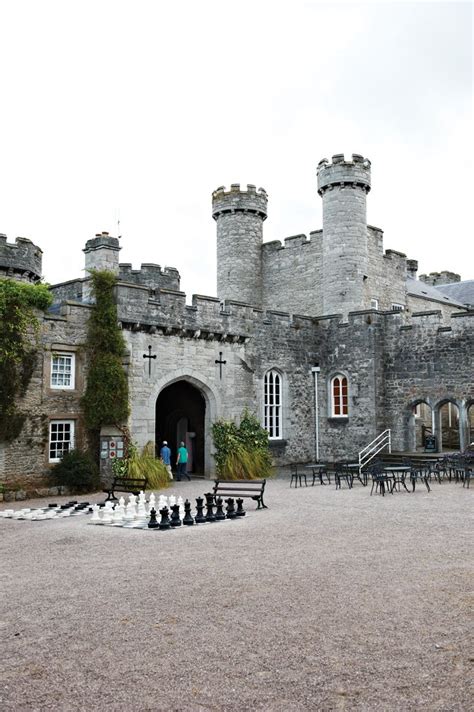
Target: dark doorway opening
[180,411]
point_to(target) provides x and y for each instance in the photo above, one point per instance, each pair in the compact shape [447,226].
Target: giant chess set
[138,513]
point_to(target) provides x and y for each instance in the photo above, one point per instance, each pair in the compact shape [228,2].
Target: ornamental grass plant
[145,464]
[241,452]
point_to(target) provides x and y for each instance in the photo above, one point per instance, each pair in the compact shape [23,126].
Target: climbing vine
[241,452]
[19,331]
[105,401]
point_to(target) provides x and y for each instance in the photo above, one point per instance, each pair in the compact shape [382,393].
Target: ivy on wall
[105,401]
[19,331]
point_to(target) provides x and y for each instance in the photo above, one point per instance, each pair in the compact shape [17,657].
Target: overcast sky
[138,110]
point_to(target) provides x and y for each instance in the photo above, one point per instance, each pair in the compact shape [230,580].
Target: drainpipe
[315,370]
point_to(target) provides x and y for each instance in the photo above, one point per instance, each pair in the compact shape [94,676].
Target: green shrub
[76,471]
[242,453]
[143,464]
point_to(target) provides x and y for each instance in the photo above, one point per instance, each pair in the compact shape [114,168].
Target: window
[272,404]
[339,397]
[397,307]
[374,303]
[62,370]
[61,438]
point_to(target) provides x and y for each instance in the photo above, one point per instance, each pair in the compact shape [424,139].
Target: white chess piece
[172,500]
[107,515]
[152,501]
[132,499]
[121,502]
[95,519]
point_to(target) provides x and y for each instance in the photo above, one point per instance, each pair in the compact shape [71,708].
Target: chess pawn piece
[210,516]
[129,515]
[220,514]
[230,509]
[153,524]
[107,515]
[165,520]
[188,519]
[199,518]
[175,518]
[95,519]
[240,507]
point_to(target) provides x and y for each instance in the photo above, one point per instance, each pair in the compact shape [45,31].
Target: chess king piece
[165,520]
[175,518]
[210,516]
[230,509]
[240,507]
[220,514]
[153,524]
[187,519]
[199,518]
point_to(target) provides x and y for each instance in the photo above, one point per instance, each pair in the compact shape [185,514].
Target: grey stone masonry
[239,216]
[20,260]
[102,252]
[343,186]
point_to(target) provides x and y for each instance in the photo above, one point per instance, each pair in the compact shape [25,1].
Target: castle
[328,338]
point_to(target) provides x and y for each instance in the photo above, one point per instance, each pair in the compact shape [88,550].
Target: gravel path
[328,600]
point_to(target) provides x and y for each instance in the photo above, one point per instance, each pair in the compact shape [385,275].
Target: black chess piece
[165,520]
[175,518]
[240,507]
[220,514]
[230,509]
[153,524]
[188,519]
[199,518]
[210,516]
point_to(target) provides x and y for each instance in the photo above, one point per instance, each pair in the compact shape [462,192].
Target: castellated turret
[102,253]
[20,260]
[239,215]
[343,186]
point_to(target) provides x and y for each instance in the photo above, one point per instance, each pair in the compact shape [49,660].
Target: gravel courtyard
[327,600]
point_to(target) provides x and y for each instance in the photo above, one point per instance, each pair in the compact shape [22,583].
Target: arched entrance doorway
[180,415]
[470,421]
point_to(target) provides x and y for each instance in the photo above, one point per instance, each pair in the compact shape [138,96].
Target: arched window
[272,404]
[339,397]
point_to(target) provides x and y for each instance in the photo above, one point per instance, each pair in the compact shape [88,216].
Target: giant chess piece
[230,509]
[210,516]
[240,507]
[153,524]
[175,518]
[165,520]
[152,502]
[199,518]
[220,514]
[95,519]
[188,518]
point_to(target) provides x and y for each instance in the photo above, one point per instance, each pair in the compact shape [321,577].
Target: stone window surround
[331,414]
[61,353]
[71,440]
[60,348]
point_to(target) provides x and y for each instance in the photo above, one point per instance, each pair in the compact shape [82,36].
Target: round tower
[343,186]
[239,216]
[20,260]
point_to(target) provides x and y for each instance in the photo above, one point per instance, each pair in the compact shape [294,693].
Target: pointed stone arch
[420,422]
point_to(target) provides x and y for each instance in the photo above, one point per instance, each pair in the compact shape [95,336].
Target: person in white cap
[165,457]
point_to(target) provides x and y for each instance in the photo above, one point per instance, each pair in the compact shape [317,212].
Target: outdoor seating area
[388,477]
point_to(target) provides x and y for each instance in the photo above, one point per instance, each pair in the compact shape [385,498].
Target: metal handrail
[373,448]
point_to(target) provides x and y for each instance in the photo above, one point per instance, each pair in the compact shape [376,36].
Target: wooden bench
[252,489]
[126,484]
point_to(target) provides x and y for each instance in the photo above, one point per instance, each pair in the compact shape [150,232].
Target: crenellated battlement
[20,260]
[237,200]
[344,174]
[150,275]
